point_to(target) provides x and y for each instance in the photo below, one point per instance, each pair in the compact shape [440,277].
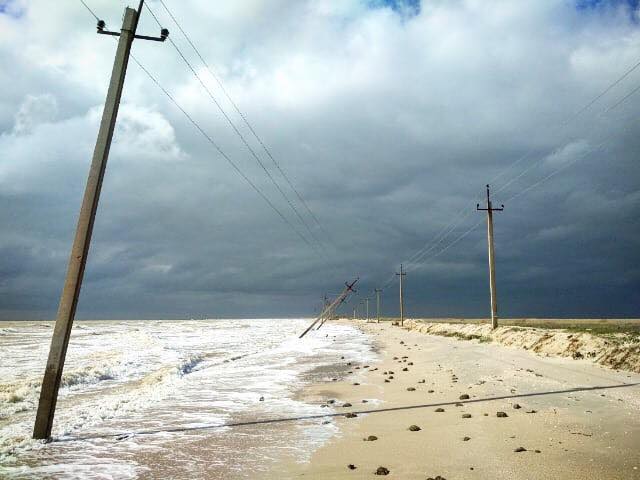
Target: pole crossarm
[332,306]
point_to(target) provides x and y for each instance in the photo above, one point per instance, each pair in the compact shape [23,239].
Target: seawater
[154,399]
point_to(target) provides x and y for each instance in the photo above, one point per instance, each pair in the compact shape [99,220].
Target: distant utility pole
[354,313]
[367,300]
[401,274]
[84,229]
[378,290]
[492,266]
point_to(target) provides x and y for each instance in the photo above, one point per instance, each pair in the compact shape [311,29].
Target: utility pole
[86,218]
[401,274]
[331,307]
[378,291]
[354,313]
[367,300]
[492,266]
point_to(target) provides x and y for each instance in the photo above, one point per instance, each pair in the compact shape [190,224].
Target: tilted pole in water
[84,229]
[401,274]
[348,288]
[492,265]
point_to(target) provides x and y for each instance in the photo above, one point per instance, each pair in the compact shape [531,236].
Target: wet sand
[565,419]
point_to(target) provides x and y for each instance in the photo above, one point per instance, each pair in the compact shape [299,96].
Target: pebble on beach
[350,415]
[516,406]
[464,396]
[346,404]
[382,471]
[411,389]
[520,449]
[501,415]
[414,428]
[351,466]
[466,415]
[439,410]
[370,438]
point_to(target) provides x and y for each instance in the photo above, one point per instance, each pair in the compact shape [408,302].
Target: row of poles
[84,229]
[492,273]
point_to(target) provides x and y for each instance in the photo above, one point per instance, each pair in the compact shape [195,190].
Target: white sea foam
[135,377]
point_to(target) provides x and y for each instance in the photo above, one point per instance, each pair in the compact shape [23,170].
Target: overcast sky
[389,117]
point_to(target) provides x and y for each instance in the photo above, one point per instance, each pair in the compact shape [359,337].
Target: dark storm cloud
[389,117]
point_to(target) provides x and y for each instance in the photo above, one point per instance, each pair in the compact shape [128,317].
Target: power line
[220,151]
[89,9]
[239,134]
[247,123]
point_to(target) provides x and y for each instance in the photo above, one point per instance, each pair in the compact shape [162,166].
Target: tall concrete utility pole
[84,229]
[367,300]
[492,265]
[401,274]
[378,291]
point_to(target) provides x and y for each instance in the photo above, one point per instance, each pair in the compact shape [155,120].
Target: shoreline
[564,419]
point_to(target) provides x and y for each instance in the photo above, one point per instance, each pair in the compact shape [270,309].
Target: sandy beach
[430,407]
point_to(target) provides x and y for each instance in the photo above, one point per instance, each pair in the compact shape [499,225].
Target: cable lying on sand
[328,310]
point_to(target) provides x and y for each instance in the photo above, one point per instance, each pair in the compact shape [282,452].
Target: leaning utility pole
[401,274]
[378,290]
[84,229]
[332,306]
[492,266]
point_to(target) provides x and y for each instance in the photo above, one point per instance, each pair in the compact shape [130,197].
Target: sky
[388,117]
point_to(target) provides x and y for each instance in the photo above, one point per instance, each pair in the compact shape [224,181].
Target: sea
[214,398]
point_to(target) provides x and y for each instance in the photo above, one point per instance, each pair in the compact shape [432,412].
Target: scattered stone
[422,381]
[532,411]
[365,401]
[385,373]
[341,358]
[261,399]
[466,439]
[331,401]
[334,379]
[390,372]
[349,372]
[410,363]
[411,389]
[395,358]
[464,396]
[459,404]
[382,471]
[366,366]
[370,438]
[520,449]
[517,406]
[351,415]
[356,383]
[401,342]
[346,405]
[326,422]
[429,391]
[436,478]
[357,368]
[485,414]
[537,451]
[386,381]
[414,428]
[390,377]
[439,410]
[405,369]
[466,415]
[351,466]
[501,415]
